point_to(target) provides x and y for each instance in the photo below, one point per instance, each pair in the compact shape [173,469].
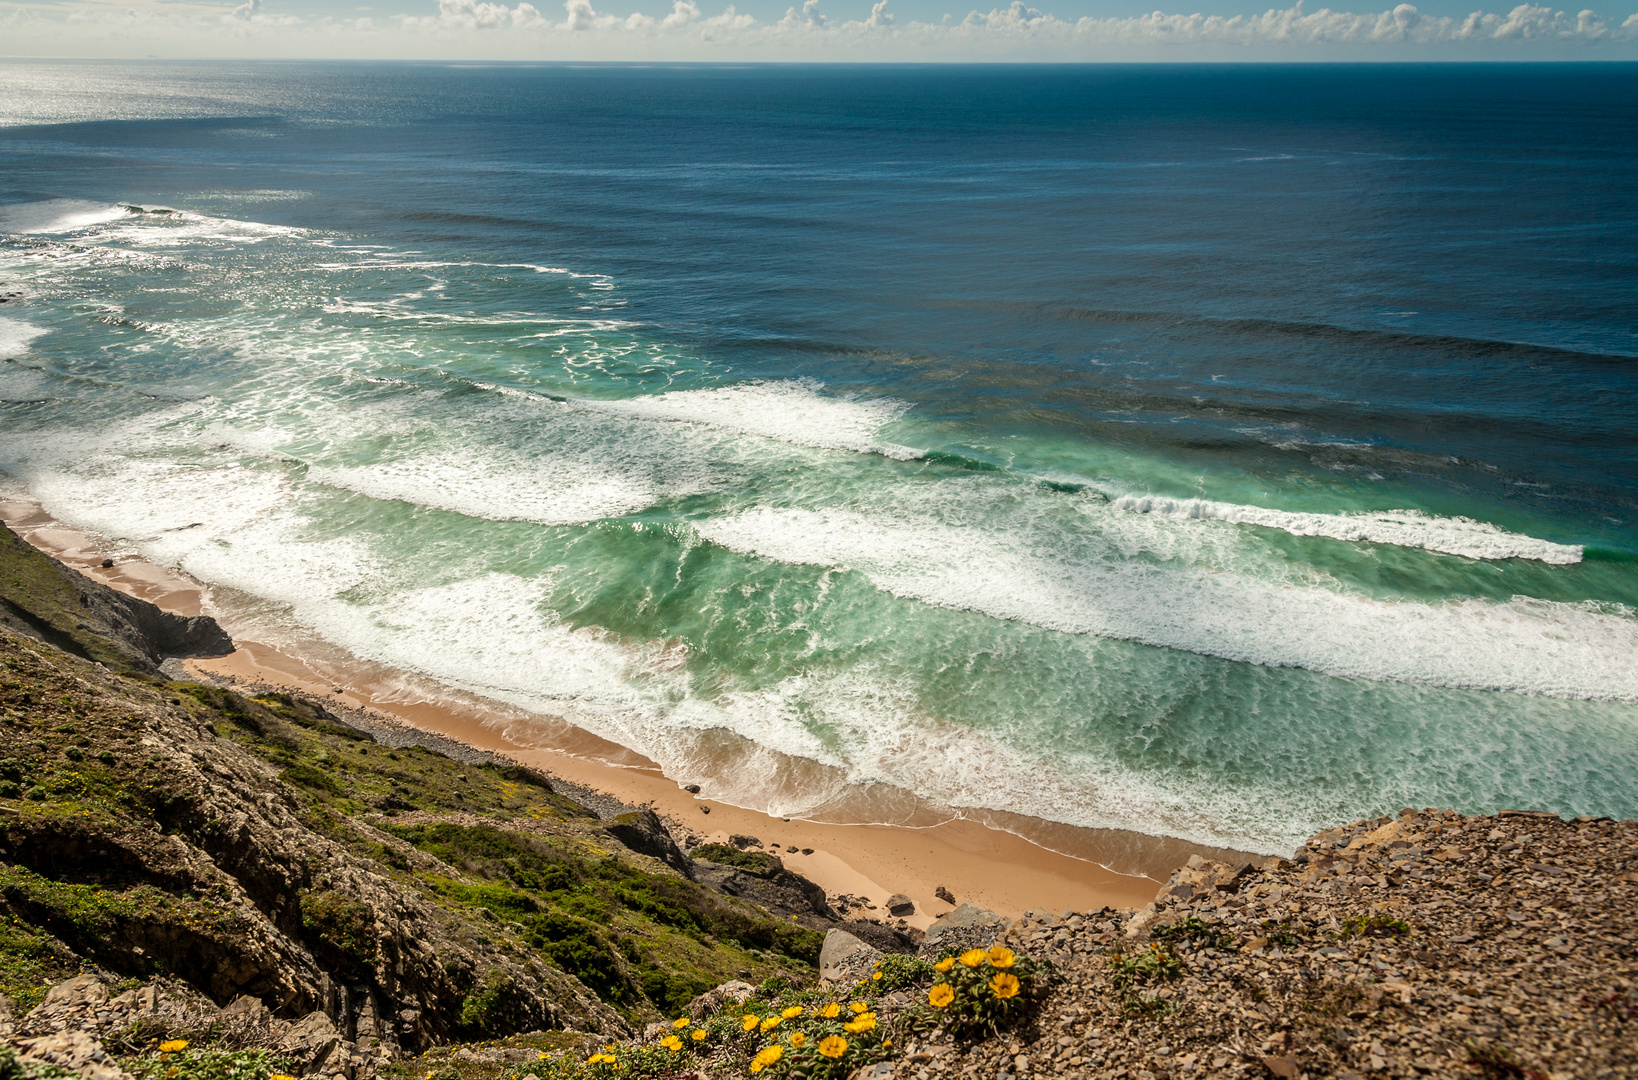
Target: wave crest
[1404,528]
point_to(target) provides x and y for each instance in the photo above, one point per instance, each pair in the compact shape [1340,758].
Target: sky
[818,30]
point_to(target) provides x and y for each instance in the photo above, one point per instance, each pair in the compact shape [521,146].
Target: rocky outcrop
[44,599]
[263,904]
[844,958]
[968,926]
[643,832]
[762,879]
[1423,945]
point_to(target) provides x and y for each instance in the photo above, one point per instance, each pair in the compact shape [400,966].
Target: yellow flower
[751,1021]
[792,1013]
[831,1011]
[771,1022]
[281,1076]
[680,1023]
[171,1046]
[1001,956]
[864,1022]
[974,957]
[1004,985]
[940,995]
[593,1060]
[858,1006]
[770,1055]
[833,1046]
[671,1042]
[700,1034]
[798,1039]
[876,976]
[944,965]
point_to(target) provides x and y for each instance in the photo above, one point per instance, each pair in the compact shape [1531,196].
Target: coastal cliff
[198,883]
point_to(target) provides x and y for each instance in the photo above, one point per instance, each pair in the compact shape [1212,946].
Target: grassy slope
[494,846]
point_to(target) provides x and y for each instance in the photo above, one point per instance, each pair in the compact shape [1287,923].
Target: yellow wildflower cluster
[977,989]
[802,1051]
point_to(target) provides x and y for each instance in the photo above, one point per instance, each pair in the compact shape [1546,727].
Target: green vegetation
[1200,934]
[1134,973]
[1375,926]
[37,598]
[341,931]
[620,929]
[539,873]
[31,962]
[93,769]
[752,862]
[11,1068]
[805,1033]
[980,991]
[206,1064]
[899,971]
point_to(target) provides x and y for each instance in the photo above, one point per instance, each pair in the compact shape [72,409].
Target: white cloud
[810,15]
[484,29]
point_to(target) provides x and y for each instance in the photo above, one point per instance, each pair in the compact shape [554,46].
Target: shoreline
[997,863]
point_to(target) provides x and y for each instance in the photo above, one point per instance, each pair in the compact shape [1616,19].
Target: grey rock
[712,1000]
[643,832]
[900,904]
[309,1042]
[967,917]
[77,1051]
[944,894]
[842,953]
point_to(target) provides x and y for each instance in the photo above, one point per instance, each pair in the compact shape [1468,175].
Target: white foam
[790,411]
[1096,587]
[15,336]
[1404,528]
[176,228]
[57,216]
[167,507]
[498,487]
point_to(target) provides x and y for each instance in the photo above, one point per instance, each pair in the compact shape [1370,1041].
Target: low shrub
[1196,932]
[899,971]
[1133,973]
[342,930]
[980,992]
[187,1063]
[12,1067]
[1375,926]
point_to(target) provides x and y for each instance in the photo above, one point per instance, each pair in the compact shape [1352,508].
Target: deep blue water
[1211,451]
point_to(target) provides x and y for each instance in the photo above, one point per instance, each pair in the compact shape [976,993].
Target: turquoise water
[1047,442]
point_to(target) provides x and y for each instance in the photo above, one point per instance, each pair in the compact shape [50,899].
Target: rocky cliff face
[42,599]
[196,860]
[358,901]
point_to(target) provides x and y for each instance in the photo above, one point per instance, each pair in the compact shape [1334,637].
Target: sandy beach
[995,863]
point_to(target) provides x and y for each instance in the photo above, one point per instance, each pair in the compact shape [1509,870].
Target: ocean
[1215,452]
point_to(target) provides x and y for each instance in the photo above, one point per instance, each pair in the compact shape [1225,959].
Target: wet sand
[995,862]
